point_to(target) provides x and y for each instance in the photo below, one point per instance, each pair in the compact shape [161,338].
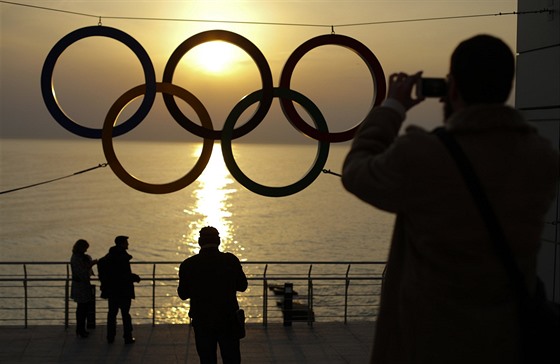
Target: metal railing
[39,292]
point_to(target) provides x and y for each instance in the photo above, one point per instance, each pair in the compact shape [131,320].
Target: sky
[91,74]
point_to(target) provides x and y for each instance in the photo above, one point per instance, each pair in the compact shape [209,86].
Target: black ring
[247,46]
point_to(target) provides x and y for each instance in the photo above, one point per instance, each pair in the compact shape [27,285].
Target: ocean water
[323,222]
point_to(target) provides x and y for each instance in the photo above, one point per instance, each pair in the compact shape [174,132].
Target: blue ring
[47,87]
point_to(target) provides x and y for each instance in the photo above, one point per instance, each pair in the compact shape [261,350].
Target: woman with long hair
[81,291]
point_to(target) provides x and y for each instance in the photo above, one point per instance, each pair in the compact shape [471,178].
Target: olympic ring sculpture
[47,87]
[116,166]
[247,46]
[322,152]
[371,61]
[206,131]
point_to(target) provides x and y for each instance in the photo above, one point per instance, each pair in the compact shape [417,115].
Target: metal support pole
[67,298]
[154,295]
[25,294]
[346,295]
[310,314]
[265,297]
[287,306]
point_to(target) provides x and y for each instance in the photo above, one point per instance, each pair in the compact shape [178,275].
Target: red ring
[361,50]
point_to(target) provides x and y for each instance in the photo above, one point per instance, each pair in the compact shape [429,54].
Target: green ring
[322,150]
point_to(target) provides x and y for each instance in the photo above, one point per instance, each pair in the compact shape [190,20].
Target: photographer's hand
[400,89]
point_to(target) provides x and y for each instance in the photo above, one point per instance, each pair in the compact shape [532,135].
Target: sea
[57,191]
[322,222]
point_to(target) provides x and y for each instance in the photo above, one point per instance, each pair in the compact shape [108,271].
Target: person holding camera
[447,297]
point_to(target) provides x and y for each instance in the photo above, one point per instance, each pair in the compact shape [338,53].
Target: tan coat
[81,290]
[446,297]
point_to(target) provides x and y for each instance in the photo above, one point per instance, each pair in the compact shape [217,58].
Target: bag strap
[488,215]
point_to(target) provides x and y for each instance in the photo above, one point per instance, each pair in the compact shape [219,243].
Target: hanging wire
[101,165]
[331,26]
[328,171]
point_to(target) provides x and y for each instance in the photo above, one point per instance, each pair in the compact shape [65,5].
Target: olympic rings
[47,88]
[322,151]
[107,139]
[367,56]
[206,130]
[247,46]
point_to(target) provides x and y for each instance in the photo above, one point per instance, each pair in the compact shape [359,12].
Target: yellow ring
[116,166]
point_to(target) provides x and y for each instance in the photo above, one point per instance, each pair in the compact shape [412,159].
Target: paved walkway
[323,343]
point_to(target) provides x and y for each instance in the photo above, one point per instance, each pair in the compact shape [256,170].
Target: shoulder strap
[488,215]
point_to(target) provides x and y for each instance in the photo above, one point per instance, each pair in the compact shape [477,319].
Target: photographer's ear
[453,93]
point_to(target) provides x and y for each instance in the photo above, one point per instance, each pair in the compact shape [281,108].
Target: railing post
[66,298]
[154,295]
[92,312]
[346,295]
[265,297]
[310,314]
[25,294]
[287,305]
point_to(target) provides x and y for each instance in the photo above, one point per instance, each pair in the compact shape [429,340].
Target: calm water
[322,222]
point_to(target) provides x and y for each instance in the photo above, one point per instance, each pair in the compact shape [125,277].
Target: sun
[215,57]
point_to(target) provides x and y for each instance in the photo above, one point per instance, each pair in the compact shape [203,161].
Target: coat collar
[486,117]
[117,251]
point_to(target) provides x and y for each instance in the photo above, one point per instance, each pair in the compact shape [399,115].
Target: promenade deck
[322,343]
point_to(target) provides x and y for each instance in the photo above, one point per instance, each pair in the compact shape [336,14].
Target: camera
[433,87]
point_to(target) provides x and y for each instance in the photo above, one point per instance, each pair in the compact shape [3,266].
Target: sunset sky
[92,73]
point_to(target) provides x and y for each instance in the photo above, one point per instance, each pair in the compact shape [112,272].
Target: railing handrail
[259,278]
[33,262]
[316,272]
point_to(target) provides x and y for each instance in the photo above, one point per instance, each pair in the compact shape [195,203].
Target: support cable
[101,165]
[330,26]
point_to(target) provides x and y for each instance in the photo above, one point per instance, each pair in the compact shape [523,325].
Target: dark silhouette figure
[447,297]
[81,290]
[117,285]
[211,279]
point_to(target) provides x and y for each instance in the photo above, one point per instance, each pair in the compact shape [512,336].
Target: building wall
[538,97]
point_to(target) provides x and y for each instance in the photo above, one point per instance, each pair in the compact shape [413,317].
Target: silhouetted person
[81,290]
[211,280]
[117,285]
[447,297]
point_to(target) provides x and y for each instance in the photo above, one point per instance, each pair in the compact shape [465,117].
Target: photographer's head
[482,71]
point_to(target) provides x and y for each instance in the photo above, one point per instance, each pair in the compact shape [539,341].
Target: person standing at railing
[447,296]
[117,285]
[81,290]
[211,279]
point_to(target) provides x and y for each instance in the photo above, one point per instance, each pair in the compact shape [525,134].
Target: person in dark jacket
[117,285]
[211,279]
[81,290]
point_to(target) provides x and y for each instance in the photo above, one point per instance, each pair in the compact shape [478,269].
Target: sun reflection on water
[211,206]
